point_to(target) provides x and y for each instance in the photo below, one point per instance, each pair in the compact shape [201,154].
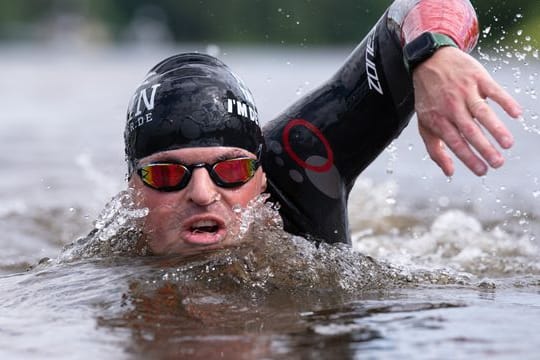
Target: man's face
[200,216]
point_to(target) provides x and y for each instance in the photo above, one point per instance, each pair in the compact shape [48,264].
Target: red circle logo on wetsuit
[288,148]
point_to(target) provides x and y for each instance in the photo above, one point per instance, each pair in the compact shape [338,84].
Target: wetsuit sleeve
[316,149]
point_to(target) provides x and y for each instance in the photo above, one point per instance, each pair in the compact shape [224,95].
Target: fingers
[464,133]
[457,140]
[436,151]
[460,147]
[489,120]
[486,118]
[473,134]
[489,88]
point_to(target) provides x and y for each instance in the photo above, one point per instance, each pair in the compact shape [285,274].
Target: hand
[451,89]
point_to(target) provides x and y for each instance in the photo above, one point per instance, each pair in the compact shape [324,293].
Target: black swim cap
[190,100]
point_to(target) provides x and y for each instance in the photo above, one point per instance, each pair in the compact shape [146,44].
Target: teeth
[204,226]
[204,223]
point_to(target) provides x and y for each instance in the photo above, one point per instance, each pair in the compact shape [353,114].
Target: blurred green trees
[300,22]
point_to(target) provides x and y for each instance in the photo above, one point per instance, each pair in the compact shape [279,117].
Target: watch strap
[437,41]
[443,40]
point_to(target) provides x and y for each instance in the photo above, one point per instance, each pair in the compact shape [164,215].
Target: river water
[439,269]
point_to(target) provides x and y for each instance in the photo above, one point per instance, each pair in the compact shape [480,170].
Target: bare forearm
[454,18]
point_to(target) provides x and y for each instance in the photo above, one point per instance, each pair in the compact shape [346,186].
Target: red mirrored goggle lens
[235,171]
[163,176]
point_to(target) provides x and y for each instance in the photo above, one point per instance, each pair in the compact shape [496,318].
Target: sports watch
[423,47]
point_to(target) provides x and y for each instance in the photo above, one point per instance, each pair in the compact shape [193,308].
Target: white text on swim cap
[135,107]
[242,109]
[142,96]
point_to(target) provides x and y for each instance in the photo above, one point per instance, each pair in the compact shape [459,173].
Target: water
[439,268]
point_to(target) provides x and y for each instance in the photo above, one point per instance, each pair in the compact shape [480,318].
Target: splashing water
[517,48]
[458,241]
[266,258]
[115,232]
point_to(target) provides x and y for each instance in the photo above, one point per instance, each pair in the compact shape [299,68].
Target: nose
[201,189]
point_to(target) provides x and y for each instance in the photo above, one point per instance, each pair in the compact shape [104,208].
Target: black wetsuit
[317,148]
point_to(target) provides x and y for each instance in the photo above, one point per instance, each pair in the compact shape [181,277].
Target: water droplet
[298,23]
[213,50]
[71,209]
[536,194]
[487,30]
[237,209]
[279,10]
[521,56]
[519,32]
[410,147]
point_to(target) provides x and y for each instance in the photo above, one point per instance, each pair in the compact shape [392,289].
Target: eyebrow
[232,154]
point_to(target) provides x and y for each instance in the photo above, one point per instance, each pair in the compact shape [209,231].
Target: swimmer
[195,150]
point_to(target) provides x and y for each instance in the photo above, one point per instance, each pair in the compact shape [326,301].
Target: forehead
[199,154]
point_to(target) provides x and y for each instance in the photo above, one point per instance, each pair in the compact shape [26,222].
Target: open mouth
[204,226]
[204,231]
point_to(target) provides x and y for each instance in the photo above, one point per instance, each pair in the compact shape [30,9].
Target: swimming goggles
[171,176]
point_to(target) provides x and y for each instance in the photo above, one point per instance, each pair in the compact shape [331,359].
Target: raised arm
[451,88]
[316,149]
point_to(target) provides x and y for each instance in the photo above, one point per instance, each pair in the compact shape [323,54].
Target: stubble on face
[172,230]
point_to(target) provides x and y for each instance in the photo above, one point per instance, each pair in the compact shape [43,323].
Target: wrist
[423,47]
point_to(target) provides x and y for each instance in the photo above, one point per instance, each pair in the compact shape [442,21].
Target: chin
[192,244]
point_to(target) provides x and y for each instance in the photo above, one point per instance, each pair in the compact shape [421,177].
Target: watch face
[420,48]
